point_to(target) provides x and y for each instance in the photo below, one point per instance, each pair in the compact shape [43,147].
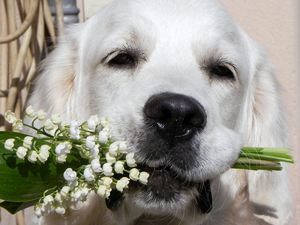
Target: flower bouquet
[61,163]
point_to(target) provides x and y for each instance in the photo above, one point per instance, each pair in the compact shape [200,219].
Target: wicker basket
[27,33]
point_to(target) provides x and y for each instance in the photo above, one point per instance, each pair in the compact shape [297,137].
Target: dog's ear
[53,89]
[265,117]
[265,126]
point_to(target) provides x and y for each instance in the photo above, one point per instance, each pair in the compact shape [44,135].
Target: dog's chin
[167,192]
[164,184]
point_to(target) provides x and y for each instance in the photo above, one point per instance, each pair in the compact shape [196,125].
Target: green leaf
[14,207]
[22,181]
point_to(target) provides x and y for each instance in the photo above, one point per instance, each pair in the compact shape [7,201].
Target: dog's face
[186,88]
[171,77]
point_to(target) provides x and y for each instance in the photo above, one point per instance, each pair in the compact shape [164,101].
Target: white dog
[187,88]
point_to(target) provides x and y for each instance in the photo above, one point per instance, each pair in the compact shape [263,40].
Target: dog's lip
[161,178]
[157,171]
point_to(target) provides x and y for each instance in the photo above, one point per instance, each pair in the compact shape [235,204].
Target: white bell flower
[56,119]
[101,190]
[96,166]
[134,174]
[90,142]
[93,122]
[48,199]
[109,158]
[107,181]
[143,177]
[63,148]
[88,174]
[44,153]
[130,161]
[21,152]
[10,117]
[49,125]
[95,152]
[29,111]
[32,156]
[119,167]
[122,147]
[9,144]
[58,198]
[76,195]
[108,170]
[103,137]
[70,175]
[113,148]
[27,142]
[61,158]
[65,191]
[18,125]
[41,115]
[122,183]
[60,210]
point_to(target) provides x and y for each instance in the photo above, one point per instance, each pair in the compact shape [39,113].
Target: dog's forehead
[171,16]
[170,8]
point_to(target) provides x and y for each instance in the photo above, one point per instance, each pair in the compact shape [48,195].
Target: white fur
[176,37]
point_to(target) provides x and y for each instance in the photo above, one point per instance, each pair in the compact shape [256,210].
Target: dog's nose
[176,116]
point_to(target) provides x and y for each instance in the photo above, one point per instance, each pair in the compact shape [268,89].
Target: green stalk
[258,158]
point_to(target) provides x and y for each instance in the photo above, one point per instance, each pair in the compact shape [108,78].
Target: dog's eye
[123,59]
[222,72]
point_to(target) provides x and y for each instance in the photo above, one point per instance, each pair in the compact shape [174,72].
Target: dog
[186,87]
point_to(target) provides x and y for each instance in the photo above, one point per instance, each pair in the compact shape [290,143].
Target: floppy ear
[266,127]
[53,90]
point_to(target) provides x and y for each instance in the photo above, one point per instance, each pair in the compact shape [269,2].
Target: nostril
[175,115]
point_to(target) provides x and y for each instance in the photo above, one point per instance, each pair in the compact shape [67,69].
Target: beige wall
[273,23]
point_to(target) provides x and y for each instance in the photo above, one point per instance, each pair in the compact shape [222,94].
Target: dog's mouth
[164,184]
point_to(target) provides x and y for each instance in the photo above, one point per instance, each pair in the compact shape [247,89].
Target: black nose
[176,116]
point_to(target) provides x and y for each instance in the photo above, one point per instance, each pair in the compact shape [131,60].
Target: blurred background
[29,30]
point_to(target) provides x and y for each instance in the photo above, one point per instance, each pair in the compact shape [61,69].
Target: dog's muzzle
[171,123]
